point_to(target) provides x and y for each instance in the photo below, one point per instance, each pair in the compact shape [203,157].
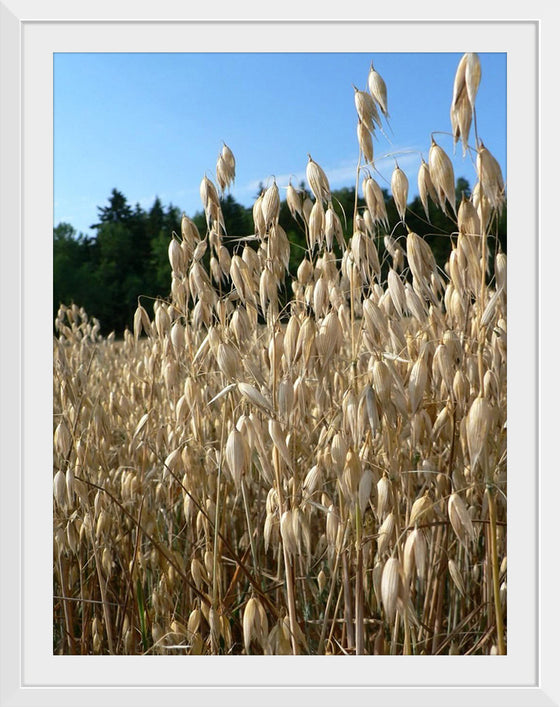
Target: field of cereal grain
[241,475]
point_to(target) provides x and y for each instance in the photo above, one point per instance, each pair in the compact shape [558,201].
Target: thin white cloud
[344,173]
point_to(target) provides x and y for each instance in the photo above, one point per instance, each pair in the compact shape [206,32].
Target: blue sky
[153,124]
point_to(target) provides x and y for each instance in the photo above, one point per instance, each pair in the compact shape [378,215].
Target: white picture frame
[30,675]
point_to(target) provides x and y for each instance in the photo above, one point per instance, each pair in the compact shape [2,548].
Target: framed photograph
[370,549]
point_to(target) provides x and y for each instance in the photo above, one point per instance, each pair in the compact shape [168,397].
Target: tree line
[127,257]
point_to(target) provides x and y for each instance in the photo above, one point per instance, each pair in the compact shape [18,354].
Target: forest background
[125,261]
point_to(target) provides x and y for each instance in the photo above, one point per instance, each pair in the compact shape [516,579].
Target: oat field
[323,475]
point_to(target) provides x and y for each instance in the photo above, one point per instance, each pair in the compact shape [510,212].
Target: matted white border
[30,674]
